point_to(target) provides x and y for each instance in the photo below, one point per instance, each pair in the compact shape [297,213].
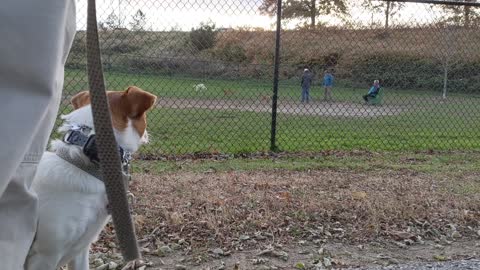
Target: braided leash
[110,161]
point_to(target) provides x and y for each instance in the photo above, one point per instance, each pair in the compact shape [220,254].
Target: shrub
[122,48]
[414,72]
[155,65]
[79,45]
[397,70]
[204,36]
[232,52]
[463,77]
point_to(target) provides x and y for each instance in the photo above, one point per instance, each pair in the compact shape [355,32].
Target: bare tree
[388,8]
[306,9]
[446,52]
[139,20]
[447,60]
[462,15]
[112,21]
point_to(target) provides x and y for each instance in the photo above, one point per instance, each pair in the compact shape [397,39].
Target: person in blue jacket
[373,92]
[328,84]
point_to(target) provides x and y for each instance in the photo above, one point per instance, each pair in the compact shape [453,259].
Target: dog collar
[78,136]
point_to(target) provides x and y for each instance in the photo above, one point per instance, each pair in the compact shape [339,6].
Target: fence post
[273,146]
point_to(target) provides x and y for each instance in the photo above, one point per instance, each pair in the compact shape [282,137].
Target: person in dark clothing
[373,92]
[306,83]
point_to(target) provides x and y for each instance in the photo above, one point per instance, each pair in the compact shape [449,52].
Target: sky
[182,14]
[165,15]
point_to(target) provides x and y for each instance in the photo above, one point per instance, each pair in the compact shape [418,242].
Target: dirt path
[450,265]
[340,109]
[325,256]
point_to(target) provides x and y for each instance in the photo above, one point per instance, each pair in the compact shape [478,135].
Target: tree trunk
[313,15]
[120,14]
[387,15]
[448,54]
[466,16]
[445,78]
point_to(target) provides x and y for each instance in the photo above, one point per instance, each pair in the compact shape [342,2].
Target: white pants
[36,36]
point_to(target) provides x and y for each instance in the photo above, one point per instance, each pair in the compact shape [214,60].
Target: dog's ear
[138,101]
[81,99]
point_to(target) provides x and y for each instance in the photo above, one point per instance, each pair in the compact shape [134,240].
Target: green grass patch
[200,130]
[436,126]
[255,89]
[447,164]
[176,131]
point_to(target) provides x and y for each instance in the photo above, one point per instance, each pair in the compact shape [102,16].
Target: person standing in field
[307,79]
[328,84]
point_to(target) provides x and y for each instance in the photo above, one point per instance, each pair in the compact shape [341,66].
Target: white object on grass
[199,87]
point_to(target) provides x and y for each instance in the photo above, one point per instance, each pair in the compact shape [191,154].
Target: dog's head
[128,110]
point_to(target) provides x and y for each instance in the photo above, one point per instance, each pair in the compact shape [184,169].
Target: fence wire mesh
[211,65]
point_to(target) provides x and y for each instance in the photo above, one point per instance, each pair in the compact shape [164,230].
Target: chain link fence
[211,63]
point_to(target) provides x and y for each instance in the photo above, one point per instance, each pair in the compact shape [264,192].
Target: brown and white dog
[72,202]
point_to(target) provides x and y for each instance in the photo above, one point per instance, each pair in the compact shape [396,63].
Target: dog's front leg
[80,262]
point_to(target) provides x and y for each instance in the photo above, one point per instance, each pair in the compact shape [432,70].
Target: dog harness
[79,136]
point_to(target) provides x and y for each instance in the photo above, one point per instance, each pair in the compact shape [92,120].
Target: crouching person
[373,92]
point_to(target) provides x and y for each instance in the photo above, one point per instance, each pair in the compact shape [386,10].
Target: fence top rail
[437,2]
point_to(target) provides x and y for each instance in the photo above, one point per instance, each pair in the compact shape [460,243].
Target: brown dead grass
[305,45]
[211,209]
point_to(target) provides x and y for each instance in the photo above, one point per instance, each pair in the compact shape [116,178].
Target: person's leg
[303,94]
[307,94]
[329,91]
[365,97]
[370,97]
[36,37]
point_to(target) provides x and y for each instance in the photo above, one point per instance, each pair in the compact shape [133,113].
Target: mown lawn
[183,87]
[200,130]
[427,123]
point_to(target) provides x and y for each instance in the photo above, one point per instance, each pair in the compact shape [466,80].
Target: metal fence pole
[273,146]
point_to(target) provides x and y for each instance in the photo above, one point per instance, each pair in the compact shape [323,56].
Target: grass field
[423,120]
[182,87]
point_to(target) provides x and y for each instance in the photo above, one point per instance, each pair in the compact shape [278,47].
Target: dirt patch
[316,204]
[193,215]
[337,255]
[339,109]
